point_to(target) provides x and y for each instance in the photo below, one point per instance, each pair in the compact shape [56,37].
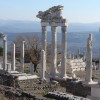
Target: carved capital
[44,28]
[54,29]
[64,29]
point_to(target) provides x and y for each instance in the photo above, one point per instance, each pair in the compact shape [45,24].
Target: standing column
[13,57]
[54,51]
[44,42]
[99,65]
[64,50]
[88,77]
[22,56]
[43,64]
[5,53]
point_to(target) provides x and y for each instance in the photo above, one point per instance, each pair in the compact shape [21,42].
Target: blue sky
[84,11]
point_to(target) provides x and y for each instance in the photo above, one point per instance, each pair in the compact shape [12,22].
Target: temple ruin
[30,85]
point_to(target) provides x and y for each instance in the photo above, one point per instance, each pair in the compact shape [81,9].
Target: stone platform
[22,76]
[19,75]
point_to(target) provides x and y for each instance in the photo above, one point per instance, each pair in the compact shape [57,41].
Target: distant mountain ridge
[17,26]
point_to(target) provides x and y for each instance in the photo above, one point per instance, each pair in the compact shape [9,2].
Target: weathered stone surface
[88,77]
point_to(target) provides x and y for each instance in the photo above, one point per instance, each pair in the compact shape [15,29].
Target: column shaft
[44,42]
[99,65]
[22,56]
[54,51]
[5,54]
[88,77]
[43,64]
[13,57]
[64,50]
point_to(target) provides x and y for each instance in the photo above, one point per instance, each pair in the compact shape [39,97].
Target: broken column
[54,50]
[43,65]
[4,52]
[13,56]
[64,53]
[88,77]
[22,57]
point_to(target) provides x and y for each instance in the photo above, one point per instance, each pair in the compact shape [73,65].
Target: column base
[93,98]
[43,78]
[64,77]
[90,83]
[95,92]
[54,74]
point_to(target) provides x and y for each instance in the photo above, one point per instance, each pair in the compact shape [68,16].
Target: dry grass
[2,97]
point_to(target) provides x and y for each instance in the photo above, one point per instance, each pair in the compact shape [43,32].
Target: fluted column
[88,77]
[44,41]
[13,56]
[64,52]
[5,53]
[43,65]
[54,51]
[22,57]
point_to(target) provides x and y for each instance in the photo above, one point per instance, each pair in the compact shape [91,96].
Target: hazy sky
[84,11]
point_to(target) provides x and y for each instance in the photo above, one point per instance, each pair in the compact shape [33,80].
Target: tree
[32,48]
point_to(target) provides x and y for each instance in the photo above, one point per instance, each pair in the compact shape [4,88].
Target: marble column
[22,57]
[13,57]
[99,65]
[88,77]
[54,51]
[5,53]
[44,42]
[64,52]
[43,65]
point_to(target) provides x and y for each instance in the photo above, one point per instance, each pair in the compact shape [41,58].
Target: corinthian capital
[44,28]
[64,28]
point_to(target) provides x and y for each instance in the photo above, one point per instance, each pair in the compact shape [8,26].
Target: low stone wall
[33,89]
[75,87]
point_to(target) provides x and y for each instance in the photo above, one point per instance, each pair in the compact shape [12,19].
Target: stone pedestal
[4,53]
[22,57]
[63,59]
[54,51]
[13,56]
[88,77]
[43,65]
[32,69]
[95,92]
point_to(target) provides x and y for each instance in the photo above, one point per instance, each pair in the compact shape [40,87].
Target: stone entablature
[52,17]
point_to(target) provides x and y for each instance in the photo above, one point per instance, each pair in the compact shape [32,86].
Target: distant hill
[76,36]
[17,26]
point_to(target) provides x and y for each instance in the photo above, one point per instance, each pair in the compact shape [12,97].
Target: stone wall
[75,87]
[75,65]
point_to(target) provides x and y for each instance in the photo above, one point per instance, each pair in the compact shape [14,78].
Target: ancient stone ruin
[53,84]
[53,17]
